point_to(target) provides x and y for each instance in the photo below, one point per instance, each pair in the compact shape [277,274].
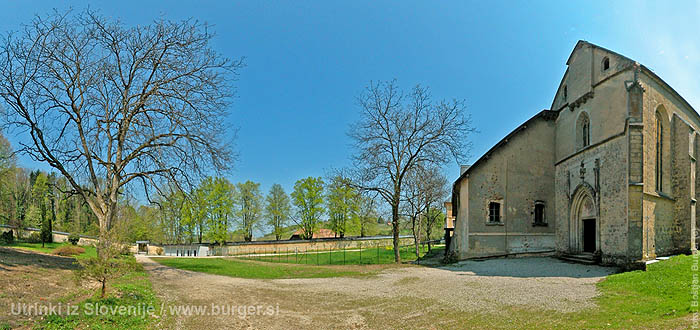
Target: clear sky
[308,60]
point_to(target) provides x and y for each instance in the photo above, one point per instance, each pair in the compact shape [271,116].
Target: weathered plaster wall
[607,111]
[519,173]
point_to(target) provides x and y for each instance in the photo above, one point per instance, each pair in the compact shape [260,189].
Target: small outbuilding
[142,247]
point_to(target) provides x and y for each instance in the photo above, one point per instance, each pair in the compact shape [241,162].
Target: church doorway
[589,235]
[583,225]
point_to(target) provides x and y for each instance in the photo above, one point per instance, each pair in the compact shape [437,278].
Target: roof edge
[663,83]
[544,114]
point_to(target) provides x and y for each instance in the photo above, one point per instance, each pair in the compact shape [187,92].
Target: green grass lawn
[663,292]
[49,247]
[259,270]
[367,256]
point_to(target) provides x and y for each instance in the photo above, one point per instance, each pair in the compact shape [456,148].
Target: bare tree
[423,190]
[367,213]
[434,188]
[413,198]
[399,130]
[108,105]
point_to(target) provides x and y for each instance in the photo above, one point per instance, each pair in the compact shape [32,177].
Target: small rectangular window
[494,212]
[539,213]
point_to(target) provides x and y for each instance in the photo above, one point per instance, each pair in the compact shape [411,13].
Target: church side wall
[670,215]
[517,175]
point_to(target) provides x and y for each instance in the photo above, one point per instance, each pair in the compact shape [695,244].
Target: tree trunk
[395,229]
[52,219]
[103,290]
[427,234]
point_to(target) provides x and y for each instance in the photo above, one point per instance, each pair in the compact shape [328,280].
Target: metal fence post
[344,249]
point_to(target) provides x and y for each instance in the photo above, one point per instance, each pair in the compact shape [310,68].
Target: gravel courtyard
[410,296]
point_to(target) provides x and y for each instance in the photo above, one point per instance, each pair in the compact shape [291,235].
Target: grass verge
[366,256]
[131,305]
[261,270]
[662,292]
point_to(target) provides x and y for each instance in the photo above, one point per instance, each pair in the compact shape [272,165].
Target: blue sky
[308,60]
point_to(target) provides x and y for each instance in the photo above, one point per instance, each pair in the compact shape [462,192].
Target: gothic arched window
[583,131]
[659,152]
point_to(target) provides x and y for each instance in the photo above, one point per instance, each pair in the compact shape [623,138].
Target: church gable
[587,66]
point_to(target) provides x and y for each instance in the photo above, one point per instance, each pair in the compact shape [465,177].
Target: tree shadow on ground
[527,267]
[10,257]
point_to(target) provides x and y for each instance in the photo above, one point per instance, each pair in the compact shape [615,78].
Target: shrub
[104,268]
[74,238]
[450,257]
[159,251]
[124,250]
[68,250]
[7,237]
[34,237]
[46,234]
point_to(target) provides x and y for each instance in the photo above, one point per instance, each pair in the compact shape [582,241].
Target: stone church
[606,174]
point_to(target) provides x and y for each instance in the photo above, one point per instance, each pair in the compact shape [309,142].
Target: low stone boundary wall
[58,236]
[243,248]
[257,247]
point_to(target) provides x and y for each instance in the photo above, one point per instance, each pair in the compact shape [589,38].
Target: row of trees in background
[215,211]
[220,211]
[37,199]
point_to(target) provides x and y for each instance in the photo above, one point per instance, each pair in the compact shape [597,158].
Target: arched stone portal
[583,222]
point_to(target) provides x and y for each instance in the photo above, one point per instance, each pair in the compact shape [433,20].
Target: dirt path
[399,297]
[28,278]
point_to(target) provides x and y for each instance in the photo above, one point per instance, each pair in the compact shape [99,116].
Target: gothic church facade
[608,171]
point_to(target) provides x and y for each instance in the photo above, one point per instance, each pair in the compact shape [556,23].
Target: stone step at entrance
[584,258]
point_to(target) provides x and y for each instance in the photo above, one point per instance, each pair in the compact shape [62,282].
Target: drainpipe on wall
[505,210]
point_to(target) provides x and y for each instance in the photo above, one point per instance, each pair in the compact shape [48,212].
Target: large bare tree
[109,105]
[399,130]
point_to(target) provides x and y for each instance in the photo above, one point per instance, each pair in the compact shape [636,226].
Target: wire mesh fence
[359,255]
